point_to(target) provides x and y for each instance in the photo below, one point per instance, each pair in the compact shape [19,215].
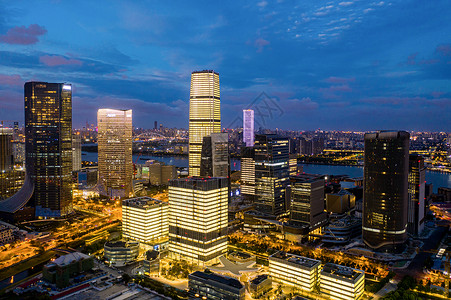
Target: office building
[6,235]
[11,181]
[198,219]
[307,202]
[19,152]
[119,253]
[385,189]
[207,285]
[159,173]
[204,114]
[293,165]
[6,150]
[115,151]
[341,282]
[66,267]
[310,146]
[248,127]
[271,173]
[248,172]
[295,270]
[145,220]
[340,202]
[259,285]
[76,153]
[155,125]
[48,147]
[416,191]
[341,230]
[215,161]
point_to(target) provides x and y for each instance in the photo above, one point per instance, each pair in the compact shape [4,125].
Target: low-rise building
[121,252]
[6,235]
[340,231]
[260,285]
[207,285]
[294,270]
[151,264]
[340,202]
[62,269]
[341,282]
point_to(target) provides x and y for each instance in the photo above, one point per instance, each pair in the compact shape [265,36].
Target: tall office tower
[307,202]
[19,152]
[271,173]
[76,153]
[198,219]
[115,151]
[204,114]
[417,186]
[155,125]
[385,196]
[6,149]
[215,160]
[248,172]
[48,146]
[248,127]
[293,164]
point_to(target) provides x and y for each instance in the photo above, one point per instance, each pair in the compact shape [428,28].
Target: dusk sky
[345,65]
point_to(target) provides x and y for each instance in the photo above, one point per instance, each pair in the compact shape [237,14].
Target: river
[436,178]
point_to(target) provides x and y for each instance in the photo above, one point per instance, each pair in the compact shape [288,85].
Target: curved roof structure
[19,199]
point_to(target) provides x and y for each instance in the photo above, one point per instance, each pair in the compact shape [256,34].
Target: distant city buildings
[271,173]
[198,219]
[145,220]
[115,163]
[76,153]
[416,191]
[248,127]
[204,114]
[159,173]
[385,199]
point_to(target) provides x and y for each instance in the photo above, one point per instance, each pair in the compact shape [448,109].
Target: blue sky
[345,65]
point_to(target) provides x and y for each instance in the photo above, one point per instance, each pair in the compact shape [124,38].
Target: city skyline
[327,65]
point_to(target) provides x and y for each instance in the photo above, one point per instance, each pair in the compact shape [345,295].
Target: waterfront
[436,178]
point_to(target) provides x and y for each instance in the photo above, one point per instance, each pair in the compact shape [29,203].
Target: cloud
[345,3]
[262,3]
[334,79]
[302,104]
[21,35]
[57,60]
[444,50]
[260,44]
[13,80]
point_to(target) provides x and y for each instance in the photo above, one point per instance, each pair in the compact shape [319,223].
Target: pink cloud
[334,79]
[444,50]
[56,60]
[15,80]
[21,35]
[260,44]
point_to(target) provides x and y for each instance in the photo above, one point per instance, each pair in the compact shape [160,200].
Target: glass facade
[204,114]
[248,127]
[6,149]
[48,146]
[115,151]
[385,195]
[248,172]
[417,185]
[271,173]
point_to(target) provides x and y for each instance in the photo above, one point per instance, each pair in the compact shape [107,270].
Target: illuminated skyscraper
[115,151]
[48,146]
[248,127]
[215,160]
[204,114]
[385,186]
[6,149]
[198,219]
[248,172]
[417,185]
[76,153]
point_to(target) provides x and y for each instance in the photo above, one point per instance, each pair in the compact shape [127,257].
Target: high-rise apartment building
[248,127]
[271,173]
[248,172]
[417,185]
[76,153]
[115,151]
[198,219]
[385,189]
[204,114]
[48,146]
[215,161]
[6,149]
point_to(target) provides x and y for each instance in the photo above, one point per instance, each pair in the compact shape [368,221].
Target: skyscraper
[6,149]
[198,219]
[115,151]
[271,173]
[76,153]
[248,172]
[417,175]
[385,185]
[204,114]
[248,127]
[215,156]
[48,146]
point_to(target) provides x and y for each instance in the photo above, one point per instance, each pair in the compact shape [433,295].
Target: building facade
[341,282]
[76,153]
[120,253]
[204,114]
[215,161]
[416,204]
[6,149]
[48,146]
[248,127]
[115,163]
[385,189]
[145,220]
[198,219]
[207,285]
[271,173]
[248,172]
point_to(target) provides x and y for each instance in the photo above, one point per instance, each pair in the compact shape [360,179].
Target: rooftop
[221,279]
[296,259]
[142,202]
[69,258]
[259,279]
[341,271]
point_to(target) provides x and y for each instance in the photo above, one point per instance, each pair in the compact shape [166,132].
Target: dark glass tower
[417,184]
[385,185]
[48,146]
[271,173]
